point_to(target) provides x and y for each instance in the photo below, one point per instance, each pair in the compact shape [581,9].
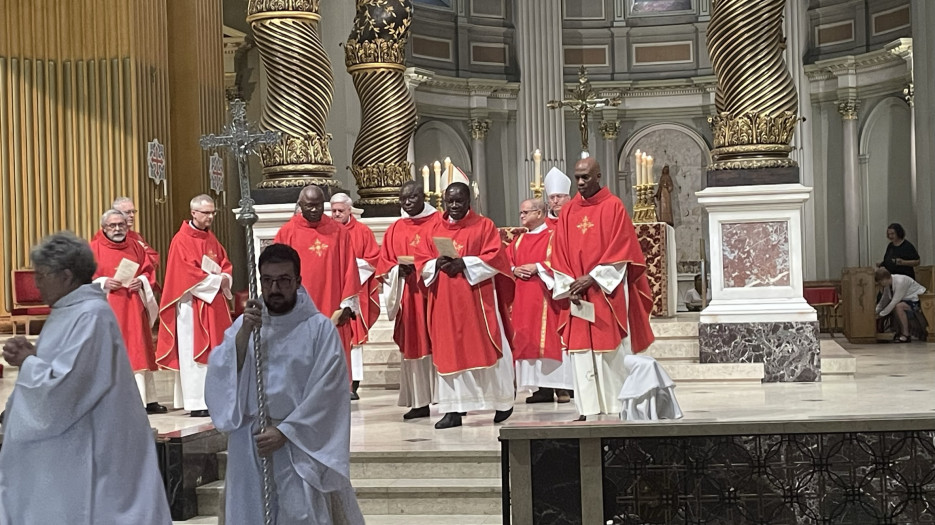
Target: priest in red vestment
[406,298]
[194,311]
[131,298]
[537,347]
[470,287]
[366,252]
[126,205]
[597,261]
[329,269]
[557,188]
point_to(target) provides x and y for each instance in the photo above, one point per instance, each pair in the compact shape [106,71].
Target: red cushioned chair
[27,303]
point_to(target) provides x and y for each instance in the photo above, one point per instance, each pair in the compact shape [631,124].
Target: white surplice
[77,445]
[306,387]
[488,388]
[598,376]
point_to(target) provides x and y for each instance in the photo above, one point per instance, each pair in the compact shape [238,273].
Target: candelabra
[434,198]
[645,209]
[537,188]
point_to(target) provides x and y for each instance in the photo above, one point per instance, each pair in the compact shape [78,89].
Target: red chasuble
[183,272]
[151,254]
[401,239]
[598,231]
[364,245]
[134,322]
[462,319]
[552,222]
[535,314]
[329,269]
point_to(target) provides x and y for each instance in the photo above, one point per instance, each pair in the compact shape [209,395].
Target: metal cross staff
[238,137]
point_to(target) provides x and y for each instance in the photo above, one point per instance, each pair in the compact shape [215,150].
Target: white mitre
[456,176]
[557,182]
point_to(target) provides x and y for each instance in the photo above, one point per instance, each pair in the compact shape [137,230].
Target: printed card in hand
[126,271]
[584,310]
[405,259]
[446,247]
[209,266]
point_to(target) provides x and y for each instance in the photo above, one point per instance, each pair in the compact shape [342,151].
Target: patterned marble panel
[556,482]
[789,351]
[653,238]
[755,254]
[867,478]
[188,459]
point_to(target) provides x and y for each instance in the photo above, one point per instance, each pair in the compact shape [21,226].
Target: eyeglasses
[209,213]
[526,212]
[119,225]
[282,281]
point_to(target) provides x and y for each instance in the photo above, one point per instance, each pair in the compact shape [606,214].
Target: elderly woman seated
[900,299]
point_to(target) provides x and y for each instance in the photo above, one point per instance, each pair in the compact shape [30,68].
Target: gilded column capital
[848,108]
[909,94]
[479,128]
[610,129]
[257,9]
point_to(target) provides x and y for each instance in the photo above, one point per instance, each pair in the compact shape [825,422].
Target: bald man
[596,259]
[329,268]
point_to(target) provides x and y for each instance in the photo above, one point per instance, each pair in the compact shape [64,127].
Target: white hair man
[126,274]
[194,311]
[366,252]
[77,446]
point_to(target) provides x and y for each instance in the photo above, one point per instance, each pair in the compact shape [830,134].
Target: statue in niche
[664,197]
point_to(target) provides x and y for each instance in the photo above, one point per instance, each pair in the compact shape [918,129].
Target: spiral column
[375,58]
[756,99]
[300,89]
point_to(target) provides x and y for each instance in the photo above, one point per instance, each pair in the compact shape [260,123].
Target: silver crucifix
[242,141]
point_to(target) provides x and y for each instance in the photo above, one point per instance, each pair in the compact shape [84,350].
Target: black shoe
[354,386]
[462,413]
[417,413]
[450,420]
[543,395]
[354,396]
[199,413]
[502,415]
[580,418]
[156,408]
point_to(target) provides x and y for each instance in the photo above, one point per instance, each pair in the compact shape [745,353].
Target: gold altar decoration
[756,100]
[536,185]
[583,100]
[374,56]
[645,208]
[300,89]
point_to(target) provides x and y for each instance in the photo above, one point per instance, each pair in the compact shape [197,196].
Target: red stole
[364,245]
[598,231]
[183,272]
[151,253]
[535,314]
[462,319]
[134,322]
[329,269]
[401,239]
[551,222]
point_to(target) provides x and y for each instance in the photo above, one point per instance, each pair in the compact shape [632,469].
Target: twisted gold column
[756,99]
[300,88]
[375,58]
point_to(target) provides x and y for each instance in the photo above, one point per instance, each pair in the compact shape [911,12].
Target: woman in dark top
[901,256]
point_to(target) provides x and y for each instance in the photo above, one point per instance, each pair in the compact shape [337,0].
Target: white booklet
[446,247]
[584,310]
[209,266]
[126,271]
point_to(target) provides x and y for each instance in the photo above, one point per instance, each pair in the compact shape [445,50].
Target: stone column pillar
[923,43]
[610,130]
[414,77]
[479,130]
[539,41]
[848,110]
[903,49]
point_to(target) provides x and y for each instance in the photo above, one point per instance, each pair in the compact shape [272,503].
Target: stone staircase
[409,487]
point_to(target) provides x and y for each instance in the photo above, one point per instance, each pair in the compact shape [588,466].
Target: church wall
[851,27]
[829,166]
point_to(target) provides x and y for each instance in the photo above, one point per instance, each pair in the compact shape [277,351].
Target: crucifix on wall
[583,100]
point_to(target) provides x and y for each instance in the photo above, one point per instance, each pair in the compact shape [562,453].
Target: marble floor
[890,379]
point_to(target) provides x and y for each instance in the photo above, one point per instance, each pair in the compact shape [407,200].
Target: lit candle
[649,170]
[448,168]
[645,168]
[425,179]
[537,161]
[438,176]
[638,174]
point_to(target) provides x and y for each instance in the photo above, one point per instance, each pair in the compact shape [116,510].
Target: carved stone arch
[626,152]
[435,140]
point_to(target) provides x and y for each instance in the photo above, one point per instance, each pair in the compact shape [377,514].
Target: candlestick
[650,179]
[537,161]
[636,168]
[448,169]
[438,176]
[425,180]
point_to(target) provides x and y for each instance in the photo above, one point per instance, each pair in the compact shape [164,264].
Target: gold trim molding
[255,7]
[378,51]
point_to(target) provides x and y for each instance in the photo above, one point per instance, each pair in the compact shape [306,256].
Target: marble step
[381,354]
[675,350]
[714,372]
[674,328]
[836,361]
[381,376]
[210,498]
[199,520]
[425,464]
[429,496]
[428,519]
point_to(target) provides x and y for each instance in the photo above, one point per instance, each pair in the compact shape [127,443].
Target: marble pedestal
[757,311]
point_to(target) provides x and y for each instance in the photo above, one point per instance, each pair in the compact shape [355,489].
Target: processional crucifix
[238,137]
[583,101]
